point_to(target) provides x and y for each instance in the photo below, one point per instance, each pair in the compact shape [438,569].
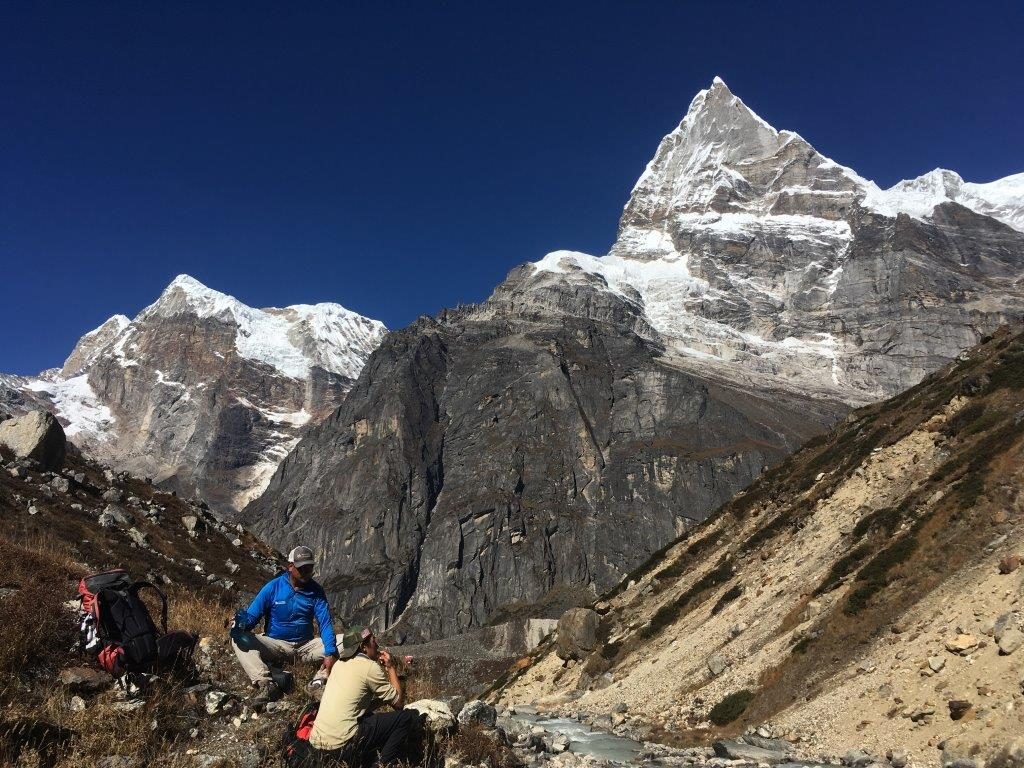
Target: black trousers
[384,736]
[381,739]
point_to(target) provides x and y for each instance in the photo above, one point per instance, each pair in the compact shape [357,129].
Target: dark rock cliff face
[516,458]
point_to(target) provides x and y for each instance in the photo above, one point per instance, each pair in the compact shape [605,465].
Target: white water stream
[584,740]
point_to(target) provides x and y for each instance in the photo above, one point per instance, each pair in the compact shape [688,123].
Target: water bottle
[238,626]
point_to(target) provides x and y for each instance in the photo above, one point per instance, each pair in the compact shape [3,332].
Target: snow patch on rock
[76,403]
[292,339]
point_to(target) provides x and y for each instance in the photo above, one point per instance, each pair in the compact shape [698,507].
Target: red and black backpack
[296,751]
[116,625]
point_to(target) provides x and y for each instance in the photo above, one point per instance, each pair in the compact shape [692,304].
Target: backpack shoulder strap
[140,585]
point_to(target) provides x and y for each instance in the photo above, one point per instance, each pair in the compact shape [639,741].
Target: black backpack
[116,624]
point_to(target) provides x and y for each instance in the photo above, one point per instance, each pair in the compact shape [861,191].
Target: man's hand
[329,662]
[385,659]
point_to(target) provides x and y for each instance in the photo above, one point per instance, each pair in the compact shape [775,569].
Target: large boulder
[439,717]
[478,712]
[577,633]
[36,435]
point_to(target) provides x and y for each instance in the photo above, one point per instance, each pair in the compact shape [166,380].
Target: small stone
[717,665]
[1011,640]
[139,538]
[962,644]
[1009,564]
[218,701]
[936,663]
[1000,625]
[897,758]
[77,704]
[958,708]
[113,495]
[84,679]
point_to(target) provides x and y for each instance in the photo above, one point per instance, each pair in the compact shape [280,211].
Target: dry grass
[38,630]
[473,747]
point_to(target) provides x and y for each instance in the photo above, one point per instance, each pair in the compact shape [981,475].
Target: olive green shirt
[354,687]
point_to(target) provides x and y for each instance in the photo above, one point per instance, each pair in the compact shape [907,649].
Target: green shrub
[801,645]
[731,707]
[963,418]
[731,594]
[841,568]
[1009,374]
[887,519]
[669,612]
[875,573]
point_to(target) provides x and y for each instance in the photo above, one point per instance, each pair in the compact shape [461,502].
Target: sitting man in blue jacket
[289,602]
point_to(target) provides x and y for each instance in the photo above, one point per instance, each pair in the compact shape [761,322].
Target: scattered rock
[478,713]
[1001,624]
[455,703]
[218,702]
[118,515]
[193,524]
[132,705]
[962,644]
[737,750]
[717,664]
[36,435]
[138,537]
[1011,640]
[118,761]
[936,663]
[77,704]
[897,758]
[60,484]
[85,679]
[1009,564]
[113,495]
[958,708]
[439,715]
[857,758]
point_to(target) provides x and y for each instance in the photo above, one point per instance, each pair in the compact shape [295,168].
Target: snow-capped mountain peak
[291,339]
[92,344]
[742,242]
[201,390]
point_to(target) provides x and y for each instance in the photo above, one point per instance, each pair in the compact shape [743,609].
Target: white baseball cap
[301,556]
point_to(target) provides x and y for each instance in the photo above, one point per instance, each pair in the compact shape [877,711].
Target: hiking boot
[267,693]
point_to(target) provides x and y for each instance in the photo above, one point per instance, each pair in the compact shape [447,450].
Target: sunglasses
[305,570]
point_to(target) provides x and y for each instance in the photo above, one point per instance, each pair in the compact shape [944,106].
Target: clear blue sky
[402,157]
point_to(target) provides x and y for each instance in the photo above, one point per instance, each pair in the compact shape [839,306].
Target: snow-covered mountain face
[742,244]
[202,392]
